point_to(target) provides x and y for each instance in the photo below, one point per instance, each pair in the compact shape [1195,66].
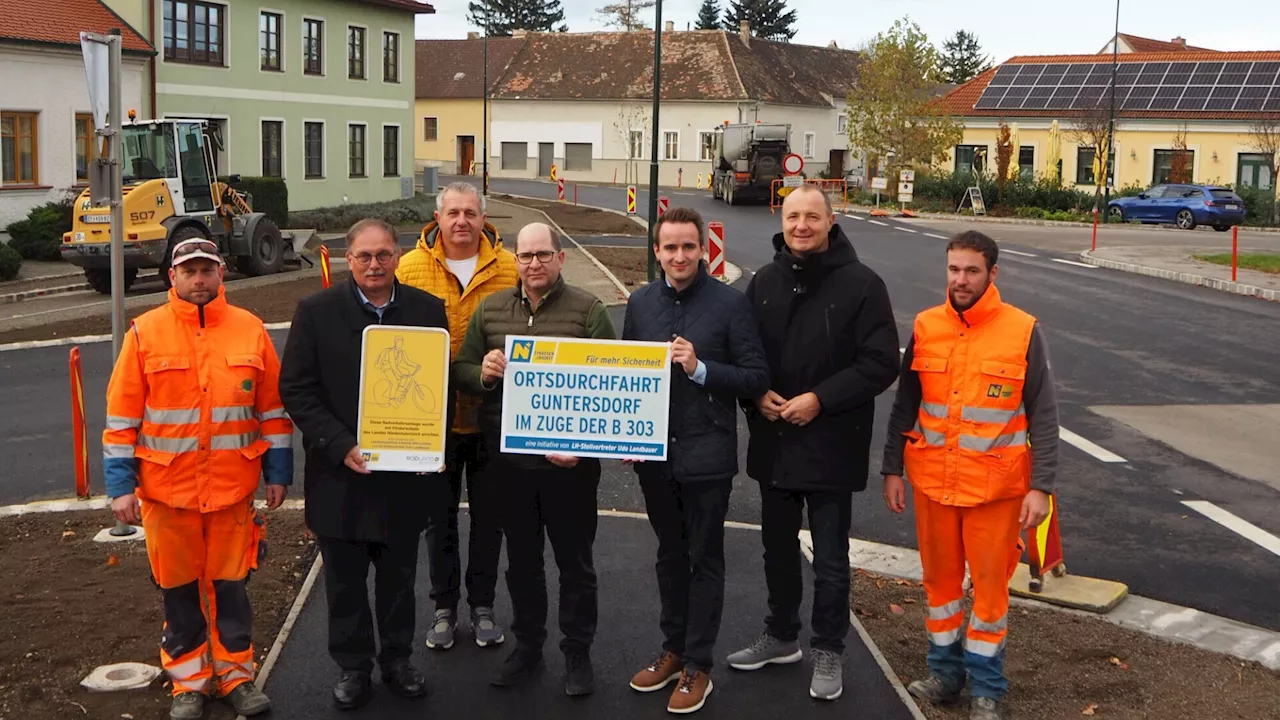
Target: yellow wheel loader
[171,194]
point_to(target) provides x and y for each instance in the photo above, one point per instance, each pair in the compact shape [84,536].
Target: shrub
[269,195]
[10,262]
[1258,204]
[416,210]
[1130,190]
[39,236]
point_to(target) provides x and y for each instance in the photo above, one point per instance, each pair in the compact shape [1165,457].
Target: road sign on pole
[631,199]
[92,45]
[663,203]
[792,164]
[715,249]
[560,190]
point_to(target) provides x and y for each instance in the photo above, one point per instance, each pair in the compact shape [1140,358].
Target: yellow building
[449,110]
[1203,101]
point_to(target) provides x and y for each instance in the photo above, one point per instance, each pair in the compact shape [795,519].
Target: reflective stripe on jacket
[969,444]
[194,416]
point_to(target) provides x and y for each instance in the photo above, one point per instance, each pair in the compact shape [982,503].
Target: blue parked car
[1183,205]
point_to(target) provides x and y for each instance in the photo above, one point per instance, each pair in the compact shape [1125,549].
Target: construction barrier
[699,181]
[324,267]
[631,199]
[554,174]
[1044,549]
[715,249]
[560,190]
[837,191]
[79,429]
[663,204]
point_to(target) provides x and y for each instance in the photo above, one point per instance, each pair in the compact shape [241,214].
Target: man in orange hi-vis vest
[194,421]
[976,387]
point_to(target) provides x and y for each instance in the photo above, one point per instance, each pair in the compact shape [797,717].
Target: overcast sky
[1005,29]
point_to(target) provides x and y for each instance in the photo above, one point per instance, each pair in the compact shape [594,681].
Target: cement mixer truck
[748,159]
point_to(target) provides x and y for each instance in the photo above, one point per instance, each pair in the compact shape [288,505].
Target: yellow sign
[404,385]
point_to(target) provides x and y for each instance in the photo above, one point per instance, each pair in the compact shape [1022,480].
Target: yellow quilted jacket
[424,268]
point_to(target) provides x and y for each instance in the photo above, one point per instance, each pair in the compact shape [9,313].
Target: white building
[46,128]
[583,102]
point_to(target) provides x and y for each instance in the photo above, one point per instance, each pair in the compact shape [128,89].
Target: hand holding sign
[493,367]
[682,354]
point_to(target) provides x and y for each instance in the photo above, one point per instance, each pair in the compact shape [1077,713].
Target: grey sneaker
[984,708]
[935,690]
[187,706]
[766,649]
[828,676]
[487,632]
[440,636]
[248,700]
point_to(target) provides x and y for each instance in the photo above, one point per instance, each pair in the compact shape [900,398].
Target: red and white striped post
[663,203]
[715,249]
[560,190]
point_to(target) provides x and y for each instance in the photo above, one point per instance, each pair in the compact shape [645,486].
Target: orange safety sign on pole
[1095,229]
[79,429]
[1044,548]
[324,267]
[631,199]
[554,174]
[663,203]
[560,190]
[715,249]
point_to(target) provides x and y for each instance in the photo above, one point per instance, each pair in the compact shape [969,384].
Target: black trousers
[465,454]
[829,512]
[688,519]
[559,503]
[346,574]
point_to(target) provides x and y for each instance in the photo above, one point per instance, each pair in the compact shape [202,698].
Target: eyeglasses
[365,258]
[190,247]
[544,257]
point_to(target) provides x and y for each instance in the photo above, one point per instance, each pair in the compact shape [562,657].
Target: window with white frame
[391,151]
[671,145]
[636,145]
[842,124]
[810,141]
[706,146]
[356,150]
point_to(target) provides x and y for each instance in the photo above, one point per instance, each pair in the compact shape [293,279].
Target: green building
[318,92]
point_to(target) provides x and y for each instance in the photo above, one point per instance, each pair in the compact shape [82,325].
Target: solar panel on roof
[1271,105]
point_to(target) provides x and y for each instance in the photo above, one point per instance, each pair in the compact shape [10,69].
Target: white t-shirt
[463,269]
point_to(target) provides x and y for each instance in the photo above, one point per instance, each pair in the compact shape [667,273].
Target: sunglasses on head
[194,246]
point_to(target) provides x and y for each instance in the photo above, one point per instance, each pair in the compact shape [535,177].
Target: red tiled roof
[1142,45]
[59,22]
[960,102]
[417,6]
[455,68]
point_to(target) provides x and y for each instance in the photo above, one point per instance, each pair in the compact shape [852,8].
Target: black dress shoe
[579,678]
[403,679]
[520,666]
[353,690]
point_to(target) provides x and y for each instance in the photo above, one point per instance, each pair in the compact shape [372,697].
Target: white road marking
[1089,447]
[906,229]
[854,217]
[1022,254]
[1245,529]
[936,235]
[1073,262]
[877,222]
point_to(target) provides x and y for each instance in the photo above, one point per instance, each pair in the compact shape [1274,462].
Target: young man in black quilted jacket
[717,358]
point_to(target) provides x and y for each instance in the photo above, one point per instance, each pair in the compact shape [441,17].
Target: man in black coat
[359,517]
[718,360]
[832,344]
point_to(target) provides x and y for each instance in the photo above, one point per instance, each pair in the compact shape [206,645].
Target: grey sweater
[1038,396]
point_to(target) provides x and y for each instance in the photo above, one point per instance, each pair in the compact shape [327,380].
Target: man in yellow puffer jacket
[460,260]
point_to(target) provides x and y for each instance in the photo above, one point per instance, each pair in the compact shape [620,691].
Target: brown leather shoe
[659,674]
[690,693]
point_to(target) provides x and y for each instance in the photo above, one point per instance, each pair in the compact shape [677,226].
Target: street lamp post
[1111,116]
[653,162]
[484,146]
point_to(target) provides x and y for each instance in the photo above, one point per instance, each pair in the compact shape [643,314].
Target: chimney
[1180,41]
[833,46]
[519,33]
[744,30]
[473,36]
[670,27]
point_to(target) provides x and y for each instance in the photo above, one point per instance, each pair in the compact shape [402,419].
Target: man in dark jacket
[542,495]
[359,516]
[716,348]
[832,345]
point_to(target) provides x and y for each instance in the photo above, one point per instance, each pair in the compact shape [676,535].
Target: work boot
[487,632]
[690,693]
[248,700]
[828,676]
[440,636]
[984,708]
[403,679]
[353,690]
[187,706]
[660,673]
[520,666]
[579,677]
[765,650]
[935,690]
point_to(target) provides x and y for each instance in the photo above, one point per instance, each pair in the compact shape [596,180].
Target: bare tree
[625,14]
[1180,163]
[1089,129]
[1004,152]
[632,118]
[1264,135]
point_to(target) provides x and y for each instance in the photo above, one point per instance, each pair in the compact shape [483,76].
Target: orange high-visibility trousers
[201,562]
[987,538]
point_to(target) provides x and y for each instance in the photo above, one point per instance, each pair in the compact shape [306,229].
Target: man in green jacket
[553,494]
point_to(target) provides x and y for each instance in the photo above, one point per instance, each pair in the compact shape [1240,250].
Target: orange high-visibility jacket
[969,444]
[194,416]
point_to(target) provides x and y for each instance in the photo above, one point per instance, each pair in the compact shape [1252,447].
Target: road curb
[1048,223]
[1227,286]
[16,297]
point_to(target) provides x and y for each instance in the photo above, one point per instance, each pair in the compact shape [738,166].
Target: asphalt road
[1115,339]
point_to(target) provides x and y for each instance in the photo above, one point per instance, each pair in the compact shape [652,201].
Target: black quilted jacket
[702,441]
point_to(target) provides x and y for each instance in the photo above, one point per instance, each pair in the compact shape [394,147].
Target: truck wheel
[729,187]
[266,251]
[100,280]
[187,232]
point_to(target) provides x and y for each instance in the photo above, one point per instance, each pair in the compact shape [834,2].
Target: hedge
[416,210]
[39,236]
[10,262]
[269,195]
